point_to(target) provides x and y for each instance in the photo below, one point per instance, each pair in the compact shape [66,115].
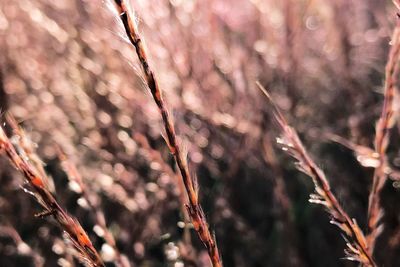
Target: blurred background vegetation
[71,80]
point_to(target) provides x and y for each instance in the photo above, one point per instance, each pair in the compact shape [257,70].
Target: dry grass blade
[86,252]
[193,207]
[357,248]
[27,149]
[384,124]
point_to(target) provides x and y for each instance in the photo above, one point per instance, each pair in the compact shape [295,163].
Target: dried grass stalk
[357,247]
[383,126]
[79,238]
[193,207]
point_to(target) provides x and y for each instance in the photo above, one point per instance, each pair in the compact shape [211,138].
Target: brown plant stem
[384,124]
[193,207]
[357,248]
[87,253]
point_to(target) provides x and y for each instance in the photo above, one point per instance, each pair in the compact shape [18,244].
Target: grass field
[199,133]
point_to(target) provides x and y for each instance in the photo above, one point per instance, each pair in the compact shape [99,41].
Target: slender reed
[357,248]
[383,126]
[86,252]
[26,148]
[193,207]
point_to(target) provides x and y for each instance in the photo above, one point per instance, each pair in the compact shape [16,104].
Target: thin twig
[86,252]
[357,249]
[384,124]
[193,207]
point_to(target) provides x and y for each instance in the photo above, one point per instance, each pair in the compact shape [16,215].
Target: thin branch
[193,207]
[79,238]
[384,124]
[357,248]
